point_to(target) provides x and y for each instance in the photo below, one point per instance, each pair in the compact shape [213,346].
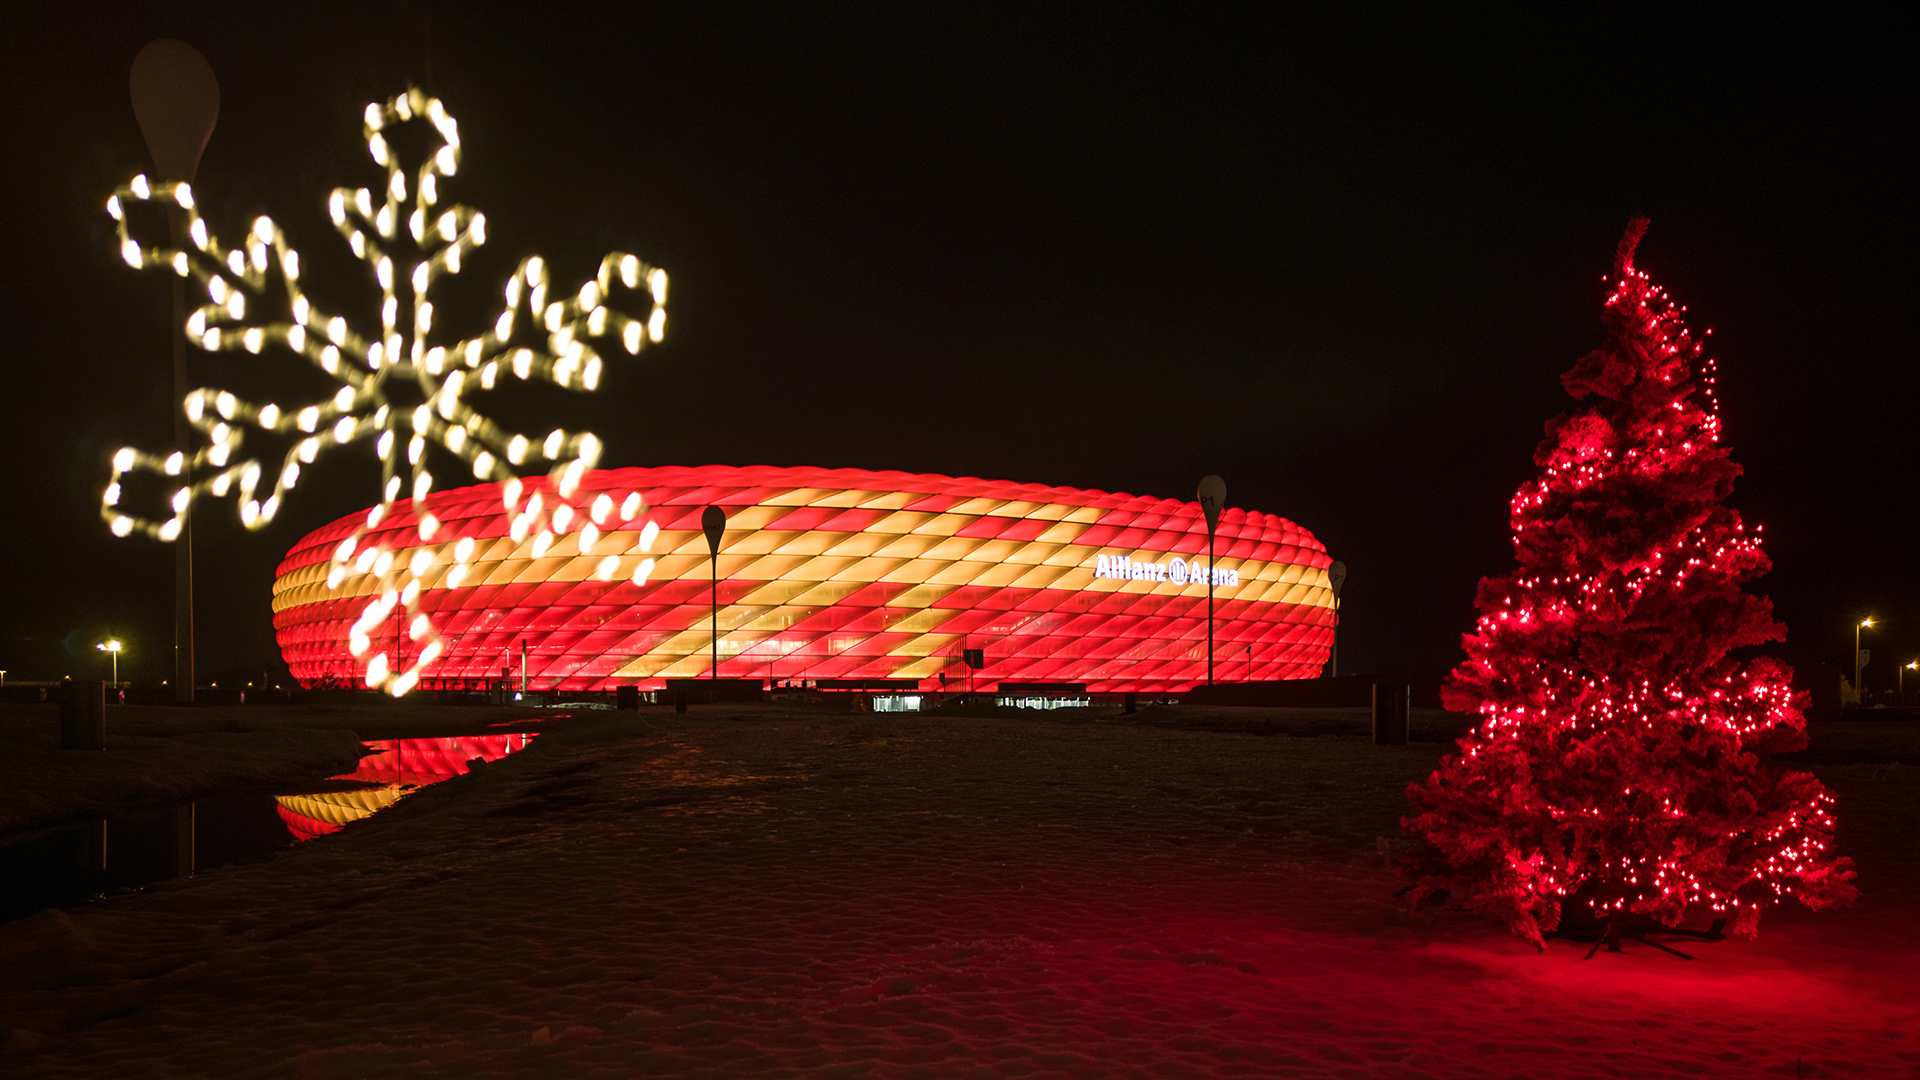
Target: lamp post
[111,647]
[1858,660]
[713,521]
[176,100]
[1911,665]
[1213,497]
[1336,576]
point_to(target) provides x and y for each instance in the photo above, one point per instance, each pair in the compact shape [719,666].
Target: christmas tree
[1619,768]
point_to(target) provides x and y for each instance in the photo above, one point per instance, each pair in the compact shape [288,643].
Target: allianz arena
[843,574]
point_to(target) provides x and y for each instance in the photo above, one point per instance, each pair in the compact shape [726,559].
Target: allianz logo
[1176,570]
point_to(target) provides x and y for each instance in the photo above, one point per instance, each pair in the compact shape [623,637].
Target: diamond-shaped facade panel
[834,574]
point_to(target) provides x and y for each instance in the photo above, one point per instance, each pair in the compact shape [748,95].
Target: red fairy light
[1622,741]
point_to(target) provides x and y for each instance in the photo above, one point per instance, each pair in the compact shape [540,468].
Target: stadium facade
[840,574]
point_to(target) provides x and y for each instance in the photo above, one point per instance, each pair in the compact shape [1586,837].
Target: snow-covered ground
[818,894]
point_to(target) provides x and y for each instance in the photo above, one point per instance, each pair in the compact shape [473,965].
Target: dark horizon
[1341,266]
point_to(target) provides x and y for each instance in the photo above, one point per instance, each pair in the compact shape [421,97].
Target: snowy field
[746,892]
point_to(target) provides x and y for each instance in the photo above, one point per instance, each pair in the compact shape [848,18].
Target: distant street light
[713,521]
[1912,665]
[1213,498]
[111,647]
[1859,660]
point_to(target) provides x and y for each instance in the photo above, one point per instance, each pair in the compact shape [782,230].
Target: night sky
[1340,264]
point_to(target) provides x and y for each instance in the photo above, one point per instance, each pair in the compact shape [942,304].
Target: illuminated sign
[1176,570]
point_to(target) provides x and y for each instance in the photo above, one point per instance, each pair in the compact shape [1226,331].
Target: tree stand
[1623,925]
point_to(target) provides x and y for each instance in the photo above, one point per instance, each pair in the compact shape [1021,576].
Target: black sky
[1341,264]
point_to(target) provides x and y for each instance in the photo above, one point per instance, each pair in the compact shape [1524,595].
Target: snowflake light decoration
[256,300]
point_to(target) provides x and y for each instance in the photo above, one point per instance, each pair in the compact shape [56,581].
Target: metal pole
[1210,577]
[713,522]
[182,441]
[176,100]
[1858,697]
[1336,576]
[523,666]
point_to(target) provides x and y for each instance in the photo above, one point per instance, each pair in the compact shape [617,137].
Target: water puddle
[385,777]
[71,865]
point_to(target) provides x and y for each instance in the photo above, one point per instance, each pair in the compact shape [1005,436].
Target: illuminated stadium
[828,574]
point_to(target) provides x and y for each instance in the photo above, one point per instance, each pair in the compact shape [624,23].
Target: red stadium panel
[836,573]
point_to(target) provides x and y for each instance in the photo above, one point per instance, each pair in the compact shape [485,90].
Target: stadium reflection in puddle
[395,769]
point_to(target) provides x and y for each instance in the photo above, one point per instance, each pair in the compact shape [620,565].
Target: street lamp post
[1336,577]
[1911,665]
[713,521]
[1213,497]
[176,100]
[1859,661]
[111,647]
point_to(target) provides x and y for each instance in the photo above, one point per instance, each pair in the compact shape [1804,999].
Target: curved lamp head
[176,99]
[1213,499]
[713,521]
[109,645]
